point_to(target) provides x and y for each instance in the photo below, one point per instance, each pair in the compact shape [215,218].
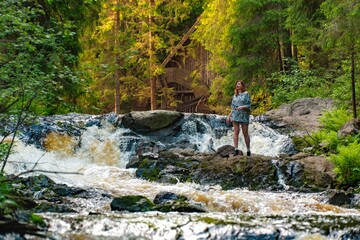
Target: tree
[117,57]
[38,55]
[304,20]
[148,31]
[218,17]
[341,30]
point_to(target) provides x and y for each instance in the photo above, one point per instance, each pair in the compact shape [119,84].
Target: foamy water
[98,157]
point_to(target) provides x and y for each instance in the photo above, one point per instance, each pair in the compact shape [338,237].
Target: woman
[240,115]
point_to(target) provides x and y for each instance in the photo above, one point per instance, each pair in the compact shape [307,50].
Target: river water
[100,150]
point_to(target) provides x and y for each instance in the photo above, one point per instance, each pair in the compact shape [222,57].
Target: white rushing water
[99,157]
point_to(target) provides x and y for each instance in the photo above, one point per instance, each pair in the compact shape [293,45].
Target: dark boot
[236,152]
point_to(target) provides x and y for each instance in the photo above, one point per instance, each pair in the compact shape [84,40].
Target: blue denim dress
[241,116]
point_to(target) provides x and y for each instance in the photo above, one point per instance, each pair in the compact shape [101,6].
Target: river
[98,148]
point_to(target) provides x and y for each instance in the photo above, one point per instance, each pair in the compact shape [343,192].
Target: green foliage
[343,152]
[6,202]
[297,83]
[4,148]
[326,140]
[254,38]
[36,219]
[333,120]
[341,88]
[347,164]
[143,45]
[323,142]
[341,24]
[38,55]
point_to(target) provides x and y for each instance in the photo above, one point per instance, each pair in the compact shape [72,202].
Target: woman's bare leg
[236,134]
[245,131]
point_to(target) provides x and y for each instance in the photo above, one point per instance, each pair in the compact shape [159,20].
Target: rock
[257,172]
[318,171]
[149,121]
[352,127]
[171,202]
[164,197]
[179,206]
[131,204]
[301,172]
[308,172]
[299,117]
[340,198]
[225,151]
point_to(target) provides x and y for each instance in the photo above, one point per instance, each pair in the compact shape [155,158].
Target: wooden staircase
[194,105]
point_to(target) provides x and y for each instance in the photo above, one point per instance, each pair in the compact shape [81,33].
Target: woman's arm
[245,103]
[228,119]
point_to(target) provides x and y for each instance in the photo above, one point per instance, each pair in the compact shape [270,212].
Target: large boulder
[149,121]
[301,172]
[299,117]
[352,127]
[308,172]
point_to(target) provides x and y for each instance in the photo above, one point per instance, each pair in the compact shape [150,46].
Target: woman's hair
[236,90]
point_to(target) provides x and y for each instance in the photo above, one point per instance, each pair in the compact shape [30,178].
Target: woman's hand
[241,108]
[228,120]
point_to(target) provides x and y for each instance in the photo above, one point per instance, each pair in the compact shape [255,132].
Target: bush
[297,84]
[326,140]
[333,120]
[6,202]
[347,164]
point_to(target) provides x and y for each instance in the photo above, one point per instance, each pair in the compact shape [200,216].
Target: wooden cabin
[182,66]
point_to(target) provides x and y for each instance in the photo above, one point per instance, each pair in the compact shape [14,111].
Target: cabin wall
[179,75]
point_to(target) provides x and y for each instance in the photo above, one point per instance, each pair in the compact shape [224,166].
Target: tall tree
[39,47]
[342,31]
[151,59]
[38,56]
[117,56]
[148,30]
[251,41]
[218,17]
[304,19]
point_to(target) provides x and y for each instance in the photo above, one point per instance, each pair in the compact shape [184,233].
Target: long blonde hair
[236,92]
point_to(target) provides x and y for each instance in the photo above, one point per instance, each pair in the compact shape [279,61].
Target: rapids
[98,149]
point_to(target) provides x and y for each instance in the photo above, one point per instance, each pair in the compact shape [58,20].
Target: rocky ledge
[301,172]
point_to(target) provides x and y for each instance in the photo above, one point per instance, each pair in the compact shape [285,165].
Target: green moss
[149,170]
[37,220]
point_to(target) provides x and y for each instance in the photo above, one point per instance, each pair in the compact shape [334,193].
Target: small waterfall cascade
[97,149]
[103,141]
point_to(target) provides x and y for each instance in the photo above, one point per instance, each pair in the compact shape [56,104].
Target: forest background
[99,56]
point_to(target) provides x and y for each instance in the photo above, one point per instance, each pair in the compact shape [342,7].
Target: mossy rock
[149,121]
[148,169]
[132,203]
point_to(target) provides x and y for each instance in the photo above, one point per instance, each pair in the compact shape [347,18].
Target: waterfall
[99,147]
[102,141]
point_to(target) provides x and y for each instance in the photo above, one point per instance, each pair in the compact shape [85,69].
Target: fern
[347,164]
[333,120]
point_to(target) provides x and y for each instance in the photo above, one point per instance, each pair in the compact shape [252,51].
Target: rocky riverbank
[173,163]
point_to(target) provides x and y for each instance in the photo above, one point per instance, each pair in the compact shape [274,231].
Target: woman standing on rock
[240,115]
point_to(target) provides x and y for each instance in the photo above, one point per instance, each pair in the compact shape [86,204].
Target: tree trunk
[117,59]
[353,82]
[294,49]
[287,51]
[280,59]
[151,53]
